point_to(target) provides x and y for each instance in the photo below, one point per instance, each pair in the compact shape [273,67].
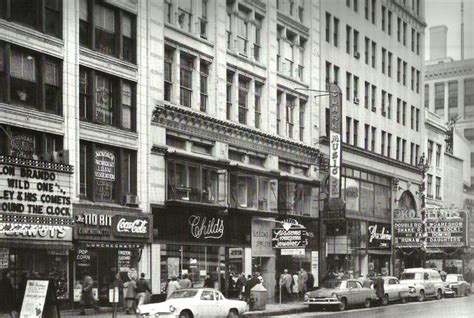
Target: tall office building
[374,51]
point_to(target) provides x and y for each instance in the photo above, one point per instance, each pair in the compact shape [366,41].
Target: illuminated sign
[35,231]
[335,143]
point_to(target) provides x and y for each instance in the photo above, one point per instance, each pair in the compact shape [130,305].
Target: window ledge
[112,135]
[32,118]
[246,59]
[108,64]
[294,80]
[28,34]
[112,206]
[197,204]
[189,34]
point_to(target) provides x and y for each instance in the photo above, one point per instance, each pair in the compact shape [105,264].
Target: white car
[422,283]
[394,290]
[194,303]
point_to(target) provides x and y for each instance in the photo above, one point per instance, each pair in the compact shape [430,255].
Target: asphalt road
[462,307]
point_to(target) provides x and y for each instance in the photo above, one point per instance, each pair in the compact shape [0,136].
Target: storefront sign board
[262,237]
[35,231]
[293,251]
[105,165]
[173,266]
[335,143]
[379,236]
[445,227]
[124,260]
[34,299]
[236,252]
[83,258]
[291,238]
[130,226]
[33,190]
[315,267]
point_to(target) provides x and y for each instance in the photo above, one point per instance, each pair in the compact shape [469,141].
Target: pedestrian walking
[142,288]
[379,287]
[8,300]
[251,284]
[118,283]
[131,296]
[285,283]
[185,282]
[310,282]
[294,286]
[365,280]
[172,286]
[468,277]
[208,282]
[87,296]
[302,279]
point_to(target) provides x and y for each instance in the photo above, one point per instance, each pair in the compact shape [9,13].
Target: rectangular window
[373,8]
[439,99]
[128,41]
[438,188]
[366,51]
[374,54]
[244,84]
[105,100]
[429,187]
[328,27]
[204,76]
[228,30]
[44,16]
[389,22]
[399,107]
[336,74]
[356,5]
[203,20]
[242,36]
[186,79]
[397,154]
[356,90]
[104,20]
[417,43]
[399,69]
[278,112]
[23,78]
[399,29]
[258,105]
[85,100]
[366,94]
[84,24]
[366,136]
[404,33]
[127,106]
[356,43]
[430,151]
[404,74]
[185,15]
[348,86]
[412,153]
[389,106]
[328,72]
[382,143]
[366,9]
[257,40]
[383,17]
[469,98]
[348,130]
[168,73]
[302,118]
[355,140]
[427,96]
[452,99]
[373,98]
[438,155]
[404,113]
[348,39]
[290,107]
[417,88]
[384,55]
[229,84]
[168,10]
[383,95]
[417,152]
[389,145]
[412,86]
[412,117]
[373,140]
[417,121]
[389,63]
[336,32]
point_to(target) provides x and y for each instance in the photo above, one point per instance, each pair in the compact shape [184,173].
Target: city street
[447,307]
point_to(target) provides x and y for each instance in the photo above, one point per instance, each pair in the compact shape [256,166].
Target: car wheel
[343,304]
[185,314]
[233,313]
[385,300]
[403,300]
[439,294]
[421,296]
[368,302]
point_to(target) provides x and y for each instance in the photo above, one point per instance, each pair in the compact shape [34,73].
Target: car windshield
[332,284]
[451,278]
[412,276]
[187,293]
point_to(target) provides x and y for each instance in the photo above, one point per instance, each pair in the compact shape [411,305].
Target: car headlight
[411,289]
[172,308]
[306,297]
[334,295]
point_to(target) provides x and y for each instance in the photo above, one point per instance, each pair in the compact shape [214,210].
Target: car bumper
[413,292]
[322,301]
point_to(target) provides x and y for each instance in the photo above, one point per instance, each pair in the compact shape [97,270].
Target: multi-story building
[449,99]
[74,121]
[374,51]
[234,140]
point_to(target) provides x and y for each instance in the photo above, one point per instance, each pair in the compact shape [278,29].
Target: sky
[448,12]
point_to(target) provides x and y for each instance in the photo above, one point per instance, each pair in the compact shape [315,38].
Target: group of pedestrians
[293,287]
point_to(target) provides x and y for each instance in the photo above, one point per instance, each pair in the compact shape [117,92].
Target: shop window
[194,182]
[113,29]
[366,198]
[114,100]
[352,194]
[28,143]
[298,199]
[43,16]
[253,192]
[103,169]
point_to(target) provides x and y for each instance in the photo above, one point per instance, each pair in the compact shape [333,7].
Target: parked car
[340,293]
[422,283]
[394,291]
[199,302]
[455,285]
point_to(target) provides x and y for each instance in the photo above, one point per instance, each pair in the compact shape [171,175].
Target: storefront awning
[50,245]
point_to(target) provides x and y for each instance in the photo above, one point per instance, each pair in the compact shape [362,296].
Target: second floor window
[168,70]
[204,69]
[298,198]
[290,108]
[186,79]
[250,191]
[244,84]
[258,105]
[30,79]
[111,102]
[107,29]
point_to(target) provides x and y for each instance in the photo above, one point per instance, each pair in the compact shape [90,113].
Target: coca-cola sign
[130,226]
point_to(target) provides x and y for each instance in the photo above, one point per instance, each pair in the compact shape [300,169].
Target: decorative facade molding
[257,4]
[448,70]
[202,125]
[292,23]
[33,119]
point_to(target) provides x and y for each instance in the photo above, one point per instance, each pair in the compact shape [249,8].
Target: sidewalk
[271,310]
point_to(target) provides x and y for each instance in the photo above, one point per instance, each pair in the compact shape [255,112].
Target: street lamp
[423,165]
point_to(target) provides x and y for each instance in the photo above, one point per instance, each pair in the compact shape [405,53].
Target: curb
[263,313]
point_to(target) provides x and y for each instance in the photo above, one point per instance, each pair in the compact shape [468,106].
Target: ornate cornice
[257,4]
[451,69]
[201,125]
[292,23]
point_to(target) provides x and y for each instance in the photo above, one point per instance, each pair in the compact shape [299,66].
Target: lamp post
[423,165]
